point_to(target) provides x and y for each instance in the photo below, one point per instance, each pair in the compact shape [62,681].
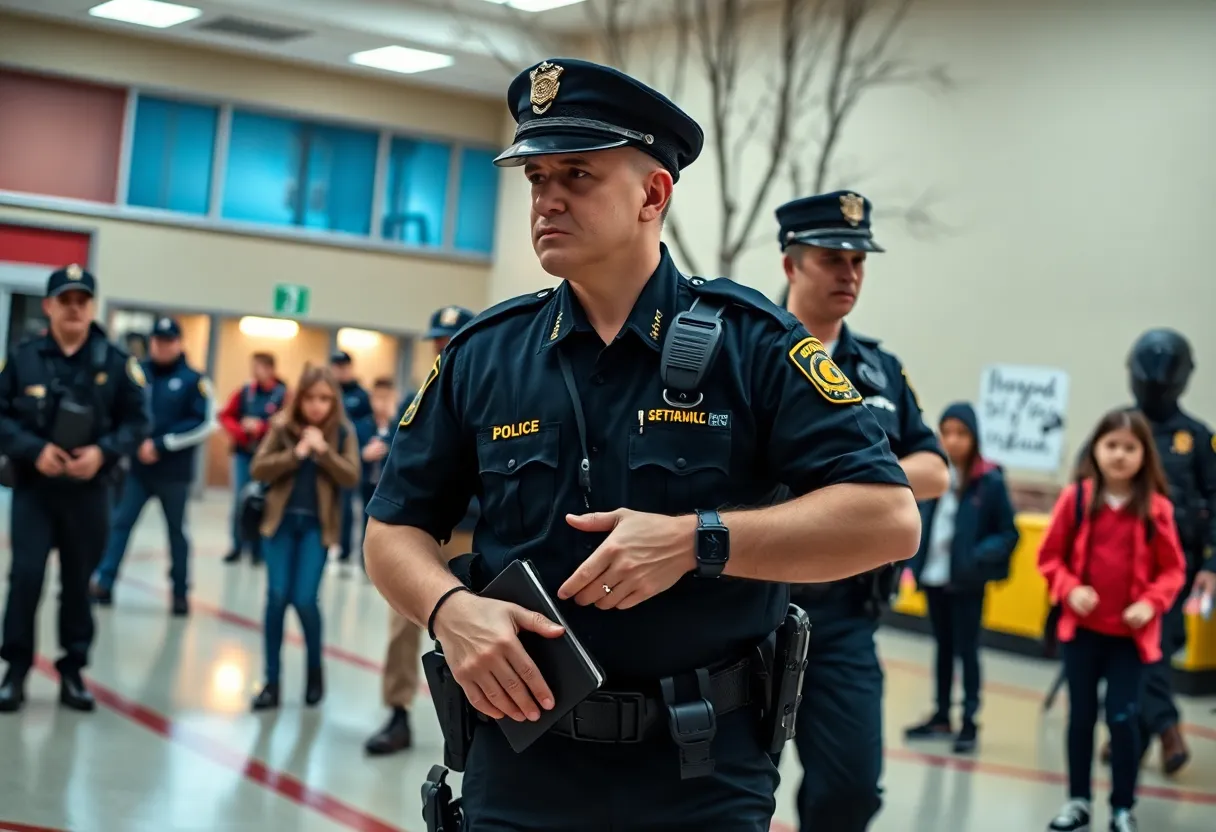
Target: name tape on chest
[514,431]
[412,410]
[687,417]
[813,361]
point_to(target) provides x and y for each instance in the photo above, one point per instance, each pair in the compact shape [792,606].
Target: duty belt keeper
[693,726]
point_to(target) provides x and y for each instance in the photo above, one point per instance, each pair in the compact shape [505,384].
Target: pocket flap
[508,457]
[680,451]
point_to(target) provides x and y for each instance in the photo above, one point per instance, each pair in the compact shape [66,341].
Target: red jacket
[230,417]
[1158,565]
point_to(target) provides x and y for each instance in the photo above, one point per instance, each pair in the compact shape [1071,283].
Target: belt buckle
[620,700]
[693,726]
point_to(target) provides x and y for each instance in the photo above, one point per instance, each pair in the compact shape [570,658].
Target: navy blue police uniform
[95,396]
[840,731]
[183,412]
[530,411]
[358,406]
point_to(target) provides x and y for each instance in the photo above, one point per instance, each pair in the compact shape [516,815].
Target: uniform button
[510,463]
[595,449]
[598,378]
[680,463]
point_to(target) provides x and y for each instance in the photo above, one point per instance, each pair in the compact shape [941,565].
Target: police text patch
[810,357]
[408,416]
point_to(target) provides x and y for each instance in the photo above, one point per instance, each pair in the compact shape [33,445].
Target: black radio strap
[584,466]
[689,350]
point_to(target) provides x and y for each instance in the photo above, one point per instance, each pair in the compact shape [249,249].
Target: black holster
[440,811]
[781,671]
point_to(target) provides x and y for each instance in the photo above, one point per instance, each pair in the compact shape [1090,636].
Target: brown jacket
[276,462]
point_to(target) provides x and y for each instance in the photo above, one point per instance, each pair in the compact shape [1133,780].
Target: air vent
[252,29]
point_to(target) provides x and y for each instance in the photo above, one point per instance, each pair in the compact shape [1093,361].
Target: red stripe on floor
[13,826]
[279,782]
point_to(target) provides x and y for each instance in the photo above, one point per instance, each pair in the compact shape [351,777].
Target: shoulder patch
[204,387]
[1214,443]
[136,372]
[813,361]
[732,292]
[408,416]
[499,311]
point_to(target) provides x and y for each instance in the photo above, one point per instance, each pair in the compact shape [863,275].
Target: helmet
[1160,365]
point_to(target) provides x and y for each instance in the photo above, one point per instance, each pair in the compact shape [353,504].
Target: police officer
[1159,366]
[183,416]
[825,240]
[358,404]
[71,405]
[643,491]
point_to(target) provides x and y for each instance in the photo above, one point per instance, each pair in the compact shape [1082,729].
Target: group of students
[1114,563]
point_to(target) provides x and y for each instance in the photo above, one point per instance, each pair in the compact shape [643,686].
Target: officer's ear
[47,305]
[657,185]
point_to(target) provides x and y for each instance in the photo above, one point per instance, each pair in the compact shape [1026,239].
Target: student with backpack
[309,455]
[967,539]
[1114,574]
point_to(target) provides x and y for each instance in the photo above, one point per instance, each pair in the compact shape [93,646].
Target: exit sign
[291,300]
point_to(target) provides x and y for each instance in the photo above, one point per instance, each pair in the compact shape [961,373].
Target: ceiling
[482,37]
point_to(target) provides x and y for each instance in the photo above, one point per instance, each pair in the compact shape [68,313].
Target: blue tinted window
[171,155]
[416,192]
[269,157]
[477,202]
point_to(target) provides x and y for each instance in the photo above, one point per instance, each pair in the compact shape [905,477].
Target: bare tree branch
[469,26]
[682,247]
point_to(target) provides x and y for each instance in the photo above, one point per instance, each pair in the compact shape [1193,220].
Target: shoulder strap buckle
[692,343]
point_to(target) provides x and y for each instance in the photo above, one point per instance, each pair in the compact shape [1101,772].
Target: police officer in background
[608,471]
[71,405]
[183,416]
[358,404]
[825,240]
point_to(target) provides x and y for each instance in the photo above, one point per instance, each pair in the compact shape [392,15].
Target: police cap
[71,278]
[447,321]
[564,105]
[839,220]
[339,357]
[166,328]
[1161,356]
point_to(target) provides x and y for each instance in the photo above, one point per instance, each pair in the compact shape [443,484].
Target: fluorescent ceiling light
[279,329]
[152,13]
[537,5]
[357,340]
[401,59]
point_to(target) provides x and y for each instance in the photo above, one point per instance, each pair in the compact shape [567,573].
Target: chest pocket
[519,480]
[675,470]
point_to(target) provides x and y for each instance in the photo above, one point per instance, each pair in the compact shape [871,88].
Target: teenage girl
[1114,577]
[967,539]
[308,456]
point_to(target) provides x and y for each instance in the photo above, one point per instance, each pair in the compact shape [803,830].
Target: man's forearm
[927,474]
[406,566]
[829,534]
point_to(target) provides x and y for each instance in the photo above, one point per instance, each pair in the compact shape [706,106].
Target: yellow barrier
[1018,606]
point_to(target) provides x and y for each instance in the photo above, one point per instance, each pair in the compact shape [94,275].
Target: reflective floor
[173,745]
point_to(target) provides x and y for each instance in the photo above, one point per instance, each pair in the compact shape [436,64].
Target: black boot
[314,689]
[267,698]
[233,556]
[12,690]
[393,737]
[967,738]
[181,607]
[72,692]
[937,728]
[101,596]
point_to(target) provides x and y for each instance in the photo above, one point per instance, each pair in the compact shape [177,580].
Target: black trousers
[74,519]
[1088,659]
[956,618]
[839,727]
[1157,708]
[559,785]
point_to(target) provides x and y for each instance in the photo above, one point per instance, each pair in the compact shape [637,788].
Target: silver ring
[607,589]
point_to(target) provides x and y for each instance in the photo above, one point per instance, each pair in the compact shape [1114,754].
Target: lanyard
[584,467]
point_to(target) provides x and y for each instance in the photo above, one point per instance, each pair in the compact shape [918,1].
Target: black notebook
[571,672]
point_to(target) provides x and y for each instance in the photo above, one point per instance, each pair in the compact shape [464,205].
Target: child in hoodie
[967,539]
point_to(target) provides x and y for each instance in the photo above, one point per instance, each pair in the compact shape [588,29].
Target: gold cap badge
[544,86]
[449,316]
[74,272]
[853,208]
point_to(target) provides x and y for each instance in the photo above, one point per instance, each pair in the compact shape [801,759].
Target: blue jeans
[135,494]
[240,478]
[295,562]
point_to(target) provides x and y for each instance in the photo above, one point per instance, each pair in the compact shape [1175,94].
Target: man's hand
[147,452]
[85,462]
[1205,584]
[643,555]
[1083,599]
[52,461]
[481,643]
[375,450]
[1139,614]
[251,425]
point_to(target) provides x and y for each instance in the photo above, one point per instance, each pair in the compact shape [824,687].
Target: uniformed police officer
[609,475]
[183,416]
[358,404]
[825,240]
[71,405]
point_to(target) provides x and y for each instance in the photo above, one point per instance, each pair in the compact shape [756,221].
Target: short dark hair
[384,383]
[266,358]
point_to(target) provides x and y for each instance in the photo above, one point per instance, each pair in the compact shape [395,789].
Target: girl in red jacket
[1114,576]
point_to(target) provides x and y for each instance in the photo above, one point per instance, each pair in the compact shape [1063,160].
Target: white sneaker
[1073,817]
[1123,821]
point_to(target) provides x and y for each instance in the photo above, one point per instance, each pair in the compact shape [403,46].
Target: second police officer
[645,497]
[825,240]
[71,406]
[183,416]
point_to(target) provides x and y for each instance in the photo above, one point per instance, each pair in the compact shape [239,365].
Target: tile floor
[173,745]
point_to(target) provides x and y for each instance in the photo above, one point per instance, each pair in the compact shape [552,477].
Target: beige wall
[1075,174]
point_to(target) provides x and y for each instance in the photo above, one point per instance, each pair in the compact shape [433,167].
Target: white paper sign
[1021,414]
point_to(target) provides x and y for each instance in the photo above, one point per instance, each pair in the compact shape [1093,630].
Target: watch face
[711,548]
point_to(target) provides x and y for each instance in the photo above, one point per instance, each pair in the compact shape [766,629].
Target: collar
[846,344]
[651,314]
[166,369]
[50,346]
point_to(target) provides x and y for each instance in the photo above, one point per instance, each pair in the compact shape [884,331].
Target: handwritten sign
[1021,413]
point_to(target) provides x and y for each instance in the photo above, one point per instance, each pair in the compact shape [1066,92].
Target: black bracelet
[430,622]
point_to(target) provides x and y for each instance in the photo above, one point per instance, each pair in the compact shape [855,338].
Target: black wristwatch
[713,544]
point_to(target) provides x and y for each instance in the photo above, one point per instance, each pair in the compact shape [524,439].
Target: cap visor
[69,287]
[551,144]
[841,243]
[438,332]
